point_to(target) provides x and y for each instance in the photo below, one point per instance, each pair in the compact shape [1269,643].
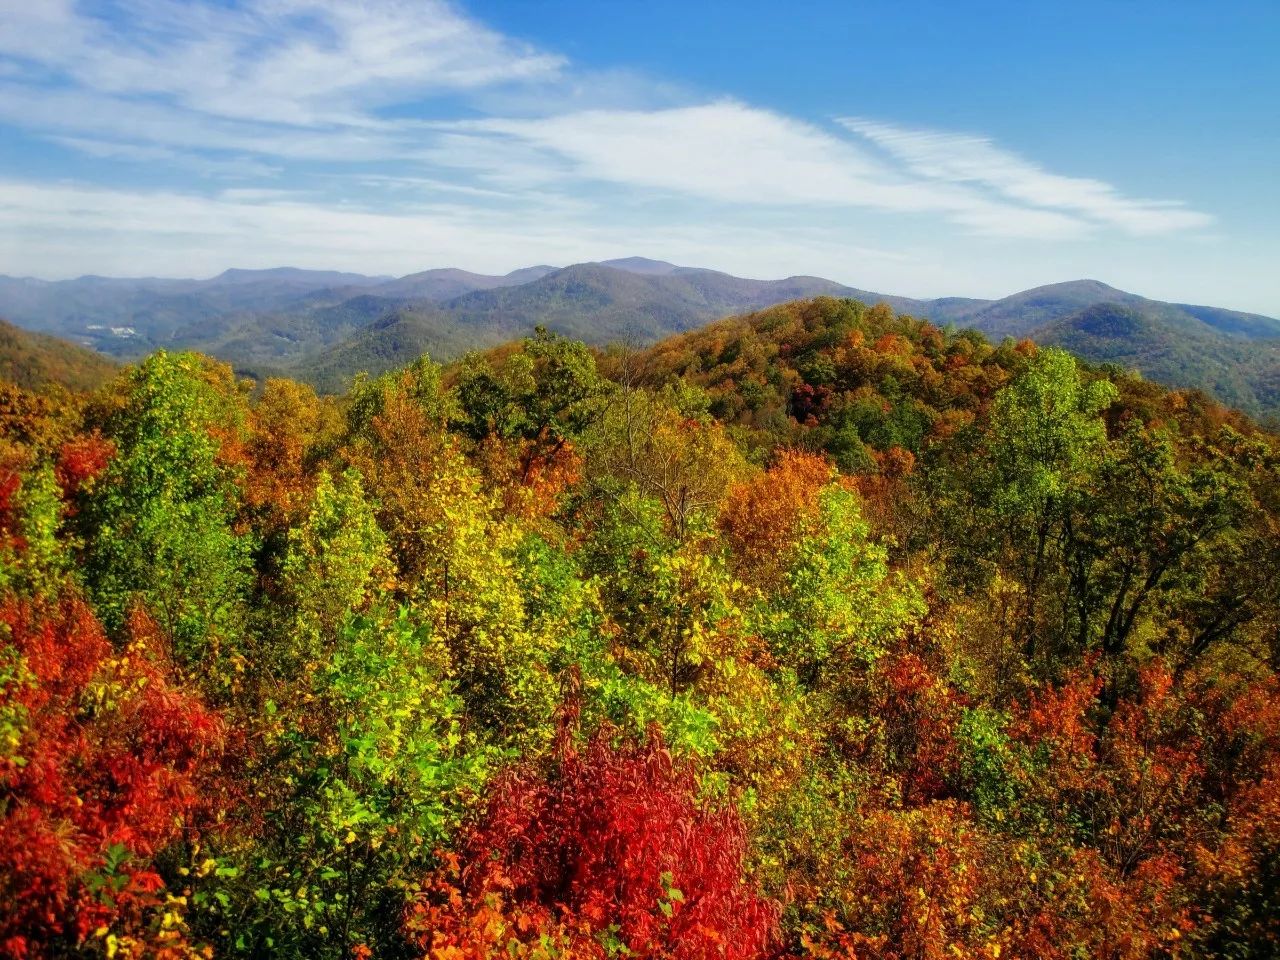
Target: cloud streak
[176,234]
[735,154]
[416,120]
[296,62]
[941,157]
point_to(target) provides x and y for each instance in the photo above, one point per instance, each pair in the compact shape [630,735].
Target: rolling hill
[1231,355]
[34,361]
[326,326]
[633,300]
[1242,373]
[129,317]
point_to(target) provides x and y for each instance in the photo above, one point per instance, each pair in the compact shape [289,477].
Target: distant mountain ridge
[325,325]
[1243,373]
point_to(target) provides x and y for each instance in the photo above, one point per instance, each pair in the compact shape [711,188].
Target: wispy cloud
[229,168]
[940,157]
[170,233]
[737,154]
[412,120]
[297,62]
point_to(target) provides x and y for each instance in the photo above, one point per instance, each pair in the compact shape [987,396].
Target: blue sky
[919,148]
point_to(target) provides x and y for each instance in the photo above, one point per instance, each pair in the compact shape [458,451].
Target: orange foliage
[760,517]
[530,476]
[284,425]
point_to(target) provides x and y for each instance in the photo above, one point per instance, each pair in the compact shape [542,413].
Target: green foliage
[1045,432]
[544,391]
[33,558]
[561,603]
[1148,535]
[370,782]
[840,605]
[159,525]
[15,674]
[988,762]
[337,560]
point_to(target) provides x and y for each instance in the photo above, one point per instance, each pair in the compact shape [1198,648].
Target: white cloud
[297,62]
[228,168]
[90,115]
[963,159]
[363,101]
[736,154]
[86,229]
[303,81]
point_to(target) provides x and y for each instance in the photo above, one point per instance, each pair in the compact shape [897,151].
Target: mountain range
[325,326]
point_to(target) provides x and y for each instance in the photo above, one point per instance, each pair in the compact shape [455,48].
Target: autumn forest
[817,632]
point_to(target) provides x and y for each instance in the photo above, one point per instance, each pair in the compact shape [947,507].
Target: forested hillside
[323,327]
[820,632]
[35,361]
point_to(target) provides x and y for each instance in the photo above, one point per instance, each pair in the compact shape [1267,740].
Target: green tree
[1010,500]
[543,393]
[839,605]
[158,525]
[1144,536]
[368,770]
[337,561]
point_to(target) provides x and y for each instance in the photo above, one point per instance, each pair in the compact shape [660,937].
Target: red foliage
[612,847]
[98,777]
[10,484]
[916,714]
[10,481]
[80,460]
[809,402]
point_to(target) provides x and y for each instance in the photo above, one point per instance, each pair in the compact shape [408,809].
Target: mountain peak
[296,275]
[657,268]
[1084,288]
[527,274]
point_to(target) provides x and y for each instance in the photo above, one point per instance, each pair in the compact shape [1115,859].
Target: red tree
[611,849]
[98,768]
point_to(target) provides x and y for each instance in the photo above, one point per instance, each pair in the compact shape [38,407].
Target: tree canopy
[820,632]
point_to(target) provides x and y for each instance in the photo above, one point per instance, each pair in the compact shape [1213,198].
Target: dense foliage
[819,632]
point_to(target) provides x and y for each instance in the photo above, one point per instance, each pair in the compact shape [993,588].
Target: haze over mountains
[326,326]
